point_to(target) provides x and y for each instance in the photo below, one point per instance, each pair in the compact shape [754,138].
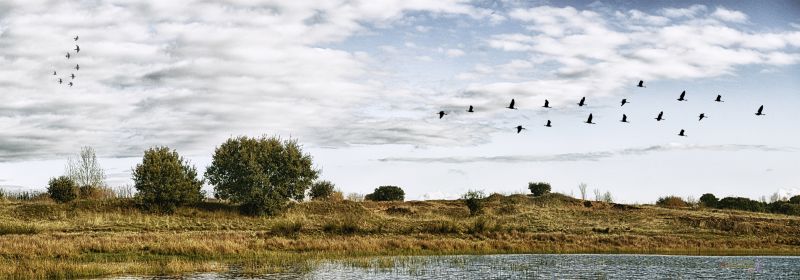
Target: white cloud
[454,52]
[729,15]
[688,12]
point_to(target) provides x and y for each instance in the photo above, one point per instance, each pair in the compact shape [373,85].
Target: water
[540,267]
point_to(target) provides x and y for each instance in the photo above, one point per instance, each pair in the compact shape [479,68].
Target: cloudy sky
[359,83]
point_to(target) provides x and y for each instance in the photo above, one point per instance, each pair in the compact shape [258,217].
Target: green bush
[62,189]
[539,188]
[165,180]
[741,203]
[671,202]
[783,207]
[321,190]
[387,193]
[474,201]
[709,200]
[262,174]
[795,199]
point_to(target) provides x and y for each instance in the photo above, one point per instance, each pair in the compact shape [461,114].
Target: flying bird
[719,98]
[442,114]
[583,99]
[760,109]
[641,84]
[683,94]
[70,84]
[77,49]
[702,116]
[660,116]
[76,38]
[682,133]
[77,67]
[624,101]
[54,73]
[548,124]
[72,75]
[590,119]
[511,106]
[60,81]
[67,55]
[546,104]
[624,118]
[470,109]
[519,128]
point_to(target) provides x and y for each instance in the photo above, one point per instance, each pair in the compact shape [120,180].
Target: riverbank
[111,237]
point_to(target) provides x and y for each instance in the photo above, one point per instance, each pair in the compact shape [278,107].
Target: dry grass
[40,239]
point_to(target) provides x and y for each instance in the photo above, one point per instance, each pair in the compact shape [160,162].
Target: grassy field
[111,237]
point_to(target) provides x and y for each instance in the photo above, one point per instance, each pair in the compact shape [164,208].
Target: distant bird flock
[582,102]
[77,66]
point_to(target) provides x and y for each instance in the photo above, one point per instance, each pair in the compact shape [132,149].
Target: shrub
[741,203]
[474,201]
[62,189]
[164,180]
[321,190]
[539,188]
[795,199]
[96,192]
[783,207]
[671,202]
[387,193]
[262,174]
[709,200]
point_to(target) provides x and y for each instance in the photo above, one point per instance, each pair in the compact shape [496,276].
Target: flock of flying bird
[624,119]
[77,66]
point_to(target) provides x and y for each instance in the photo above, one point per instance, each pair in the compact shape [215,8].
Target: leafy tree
[474,201]
[165,180]
[795,199]
[709,200]
[321,190]
[262,174]
[741,203]
[539,188]
[387,193]
[84,170]
[62,189]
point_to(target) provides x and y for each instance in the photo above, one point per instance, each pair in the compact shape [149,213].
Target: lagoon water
[546,266]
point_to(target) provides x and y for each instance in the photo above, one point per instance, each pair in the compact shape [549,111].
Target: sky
[360,83]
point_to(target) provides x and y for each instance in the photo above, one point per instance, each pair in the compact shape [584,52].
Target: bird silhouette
[511,106]
[583,100]
[67,55]
[624,118]
[60,81]
[442,114]
[54,73]
[70,84]
[702,116]
[72,75]
[77,49]
[590,119]
[660,116]
[641,84]
[683,94]
[719,98]
[76,38]
[682,133]
[470,109]
[519,128]
[77,67]
[548,124]
[760,109]
[624,101]
[546,104]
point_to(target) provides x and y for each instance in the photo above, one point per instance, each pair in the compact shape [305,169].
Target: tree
[539,188]
[387,193]
[741,203]
[321,190]
[62,189]
[582,188]
[165,180]
[84,170]
[262,174]
[709,200]
[795,199]
[607,197]
[474,201]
